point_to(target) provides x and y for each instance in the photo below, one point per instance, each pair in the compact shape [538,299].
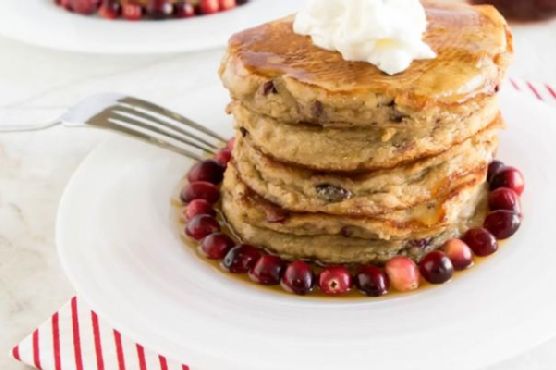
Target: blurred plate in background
[42,23]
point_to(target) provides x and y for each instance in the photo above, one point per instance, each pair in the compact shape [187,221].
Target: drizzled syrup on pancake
[469,43]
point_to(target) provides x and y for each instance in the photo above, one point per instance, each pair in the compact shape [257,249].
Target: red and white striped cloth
[544,92]
[75,338]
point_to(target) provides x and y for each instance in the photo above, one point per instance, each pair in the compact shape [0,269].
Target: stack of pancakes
[338,162]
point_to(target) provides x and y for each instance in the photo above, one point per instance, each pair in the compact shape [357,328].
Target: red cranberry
[209,171]
[84,6]
[508,177]
[481,241]
[335,280]
[227,4]
[110,9]
[200,190]
[65,3]
[493,168]
[209,6]
[184,10]
[223,156]
[403,273]
[459,253]
[200,226]
[216,246]
[372,281]
[267,270]
[241,259]
[298,278]
[159,8]
[502,224]
[198,207]
[131,11]
[436,267]
[504,199]
[231,143]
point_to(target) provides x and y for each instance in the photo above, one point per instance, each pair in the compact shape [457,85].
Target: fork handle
[27,128]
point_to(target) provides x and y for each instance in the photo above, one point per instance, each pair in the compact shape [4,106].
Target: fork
[140,119]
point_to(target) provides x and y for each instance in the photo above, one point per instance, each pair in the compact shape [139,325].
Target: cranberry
[493,168]
[372,281]
[184,9]
[65,3]
[209,171]
[209,6]
[223,156]
[231,143]
[241,259]
[504,199]
[198,207]
[403,273]
[335,280]
[502,224]
[159,8]
[131,11]
[267,270]
[201,226]
[275,214]
[216,246]
[436,267]
[110,9]
[508,177]
[298,278]
[227,4]
[459,253]
[84,6]
[200,190]
[481,241]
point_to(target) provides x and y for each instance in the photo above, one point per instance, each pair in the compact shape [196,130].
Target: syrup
[354,294]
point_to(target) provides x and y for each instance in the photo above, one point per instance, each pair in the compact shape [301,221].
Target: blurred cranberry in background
[523,10]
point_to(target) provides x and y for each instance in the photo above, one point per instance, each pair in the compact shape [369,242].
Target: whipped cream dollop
[386,33]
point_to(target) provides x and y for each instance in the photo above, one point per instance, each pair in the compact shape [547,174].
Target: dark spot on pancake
[497,88]
[397,116]
[318,109]
[243,132]
[391,103]
[346,232]
[332,193]
[419,243]
[269,87]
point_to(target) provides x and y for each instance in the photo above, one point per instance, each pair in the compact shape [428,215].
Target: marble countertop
[36,85]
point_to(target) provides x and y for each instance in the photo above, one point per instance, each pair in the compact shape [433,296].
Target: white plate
[124,256]
[42,23]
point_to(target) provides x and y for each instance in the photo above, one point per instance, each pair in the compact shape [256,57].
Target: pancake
[300,189]
[424,218]
[355,149]
[338,162]
[278,73]
[331,238]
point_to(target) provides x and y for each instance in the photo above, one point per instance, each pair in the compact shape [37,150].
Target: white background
[37,84]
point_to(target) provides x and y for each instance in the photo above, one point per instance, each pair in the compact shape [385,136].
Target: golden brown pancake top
[473,44]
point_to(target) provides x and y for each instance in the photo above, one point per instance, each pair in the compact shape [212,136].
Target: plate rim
[25,31]
[66,267]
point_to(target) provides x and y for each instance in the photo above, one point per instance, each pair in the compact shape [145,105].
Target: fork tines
[163,127]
